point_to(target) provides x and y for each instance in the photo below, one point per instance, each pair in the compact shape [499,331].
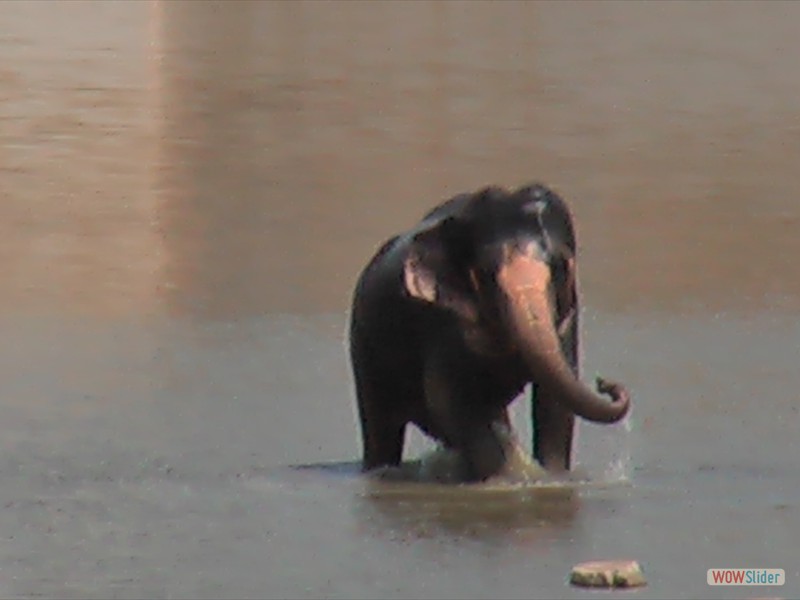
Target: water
[189,191]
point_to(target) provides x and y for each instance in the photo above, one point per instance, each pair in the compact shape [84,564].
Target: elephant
[451,319]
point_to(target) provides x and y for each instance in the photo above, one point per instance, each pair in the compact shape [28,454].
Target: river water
[188,191]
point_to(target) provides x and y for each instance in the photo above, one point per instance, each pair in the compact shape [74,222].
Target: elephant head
[503,264]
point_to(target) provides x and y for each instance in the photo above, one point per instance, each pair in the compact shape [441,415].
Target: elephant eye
[562,286]
[473,277]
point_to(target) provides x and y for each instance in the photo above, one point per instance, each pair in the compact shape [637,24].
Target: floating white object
[608,574]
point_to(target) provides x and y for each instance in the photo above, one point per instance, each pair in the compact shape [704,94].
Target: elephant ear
[566,279]
[436,269]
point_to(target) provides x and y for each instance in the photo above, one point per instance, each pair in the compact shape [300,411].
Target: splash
[618,470]
[442,466]
[445,465]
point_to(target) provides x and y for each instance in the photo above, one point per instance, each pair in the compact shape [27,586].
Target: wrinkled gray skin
[451,320]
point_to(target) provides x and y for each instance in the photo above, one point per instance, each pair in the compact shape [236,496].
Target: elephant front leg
[382,428]
[382,432]
[487,447]
[382,442]
[480,435]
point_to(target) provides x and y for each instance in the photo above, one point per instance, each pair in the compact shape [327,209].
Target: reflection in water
[408,511]
[76,206]
[220,205]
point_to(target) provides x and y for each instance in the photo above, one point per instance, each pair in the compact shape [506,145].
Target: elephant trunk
[525,281]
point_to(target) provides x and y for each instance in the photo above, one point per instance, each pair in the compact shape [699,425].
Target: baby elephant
[451,319]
